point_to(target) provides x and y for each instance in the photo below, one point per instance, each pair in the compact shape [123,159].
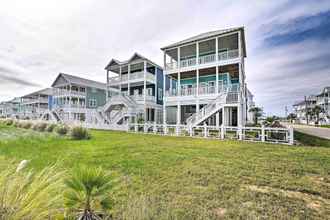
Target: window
[92,103]
[149,91]
[82,89]
[136,92]
[160,94]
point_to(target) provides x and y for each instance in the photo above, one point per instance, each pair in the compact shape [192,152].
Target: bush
[16,124]
[9,121]
[39,126]
[51,127]
[62,130]
[25,125]
[79,133]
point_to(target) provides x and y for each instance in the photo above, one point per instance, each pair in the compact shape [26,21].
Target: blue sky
[288,42]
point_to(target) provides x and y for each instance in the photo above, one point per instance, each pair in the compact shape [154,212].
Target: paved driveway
[319,132]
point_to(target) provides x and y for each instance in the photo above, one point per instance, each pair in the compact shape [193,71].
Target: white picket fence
[257,134]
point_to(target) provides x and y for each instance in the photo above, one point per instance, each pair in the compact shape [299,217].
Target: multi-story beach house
[135,94]
[204,80]
[304,108]
[75,99]
[34,105]
[10,109]
[323,100]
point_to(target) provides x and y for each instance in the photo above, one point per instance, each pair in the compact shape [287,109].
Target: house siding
[98,94]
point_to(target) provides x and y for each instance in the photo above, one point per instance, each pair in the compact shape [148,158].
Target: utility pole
[306,110]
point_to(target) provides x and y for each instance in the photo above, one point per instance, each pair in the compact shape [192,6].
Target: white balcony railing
[203,90]
[65,92]
[140,98]
[133,76]
[230,54]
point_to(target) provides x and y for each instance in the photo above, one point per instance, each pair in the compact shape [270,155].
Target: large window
[160,93]
[92,103]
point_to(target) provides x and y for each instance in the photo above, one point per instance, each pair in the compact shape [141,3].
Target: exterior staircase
[207,111]
[53,114]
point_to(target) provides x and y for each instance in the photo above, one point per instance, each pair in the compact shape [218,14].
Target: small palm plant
[88,193]
[257,112]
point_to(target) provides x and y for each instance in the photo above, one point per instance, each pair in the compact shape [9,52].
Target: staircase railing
[221,99]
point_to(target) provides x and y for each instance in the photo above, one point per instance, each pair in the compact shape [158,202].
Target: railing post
[263,133]
[205,130]
[291,132]
[145,128]
[191,131]
[222,131]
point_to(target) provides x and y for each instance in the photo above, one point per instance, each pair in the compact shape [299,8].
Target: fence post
[291,132]
[145,127]
[191,131]
[155,128]
[205,130]
[165,129]
[240,133]
[263,133]
[222,132]
[177,130]
[136,128]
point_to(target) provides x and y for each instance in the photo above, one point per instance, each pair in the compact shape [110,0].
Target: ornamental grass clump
[61,130]
[51,127]
[9,122]
[79,133]
[30,195]
[41,126]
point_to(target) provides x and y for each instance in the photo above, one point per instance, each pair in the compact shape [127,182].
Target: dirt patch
[312,201]
[220,212]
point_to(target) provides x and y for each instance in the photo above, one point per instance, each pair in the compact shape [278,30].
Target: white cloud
[44,37]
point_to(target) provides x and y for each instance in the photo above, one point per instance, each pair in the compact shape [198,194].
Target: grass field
[185,178]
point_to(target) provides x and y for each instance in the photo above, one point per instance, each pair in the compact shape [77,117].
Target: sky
[288,42]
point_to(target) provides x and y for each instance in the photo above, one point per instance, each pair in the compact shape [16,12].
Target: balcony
[65,92]
[204,90]
[137,76]
[34,101]
[210,58]
[140,98]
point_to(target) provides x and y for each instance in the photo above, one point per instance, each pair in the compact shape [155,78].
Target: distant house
[75,99]
[10,109]
[136,93]
[206,80]
[34,105]
[303,109]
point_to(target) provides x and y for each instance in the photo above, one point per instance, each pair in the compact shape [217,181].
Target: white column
[120,78]
[239,115]
[178,117]
[107,89]
[128,79]
[179,84]
[197,105]
[216,49]
[197,53]
[217,79]
[70,102]
[217,118]
[164,98]
[197,82]
[145,87]
[239,45]
[224,116]
[165,61]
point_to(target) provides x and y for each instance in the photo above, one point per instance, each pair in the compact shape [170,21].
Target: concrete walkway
[315,131]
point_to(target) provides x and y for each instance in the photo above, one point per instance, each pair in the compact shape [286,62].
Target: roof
[135,55]
[209,35]
[324,91]
[47,91]
[80,81]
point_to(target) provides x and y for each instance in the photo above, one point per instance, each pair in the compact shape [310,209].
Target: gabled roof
[47,91]
[80,81]
[208,35]
[324,91]
[135,56]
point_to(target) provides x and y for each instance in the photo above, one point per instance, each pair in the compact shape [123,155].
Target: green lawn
[185,178]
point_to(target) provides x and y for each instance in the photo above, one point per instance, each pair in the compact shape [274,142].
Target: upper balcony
[204,53]
[73,92]
[34,100]
[131,78]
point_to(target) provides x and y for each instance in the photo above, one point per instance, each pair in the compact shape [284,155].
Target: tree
[292,117]
[88,193]
[309,114]
[257,111]
[316,111]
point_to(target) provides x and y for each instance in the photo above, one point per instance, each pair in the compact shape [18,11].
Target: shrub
[51,127]
[9,121]
[27,125]
[61,130]
[79,133]
[16,124]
